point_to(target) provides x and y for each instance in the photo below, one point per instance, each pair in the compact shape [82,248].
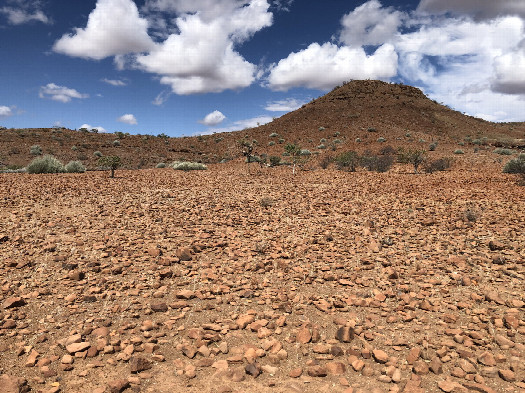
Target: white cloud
[128,119]
[88,127]
[114,82]
[324,66]
[114,27]
[509,70]
[5,111]
[213,118]
[24,11]
[162,97]
[201,56]
[60,93]
[480,9]
[287,105]
[242,124]
[370,24]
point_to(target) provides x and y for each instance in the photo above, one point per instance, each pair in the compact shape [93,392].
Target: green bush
[433,146]
[411,156]
[161,165]
[111,162]
[273,135]
[381,139]
[188,166]
[97,154]
[305,152]
[503,152]
[459,151]
[358,140]
[321,147]
[274,161]
[516,165]
[347,161]
[116,142]
[75,167]
[45,164]
[281,141]
[441,164]
[271,143]
[371,129]
[35,150]
[377,163]
[322,128]
[74,148]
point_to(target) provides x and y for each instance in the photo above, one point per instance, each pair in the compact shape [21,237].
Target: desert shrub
[271,143]
[35,150]
[414,157]
[116,142]
[323,140]
[266,202]
[387,150]
[441,164]
[477,142]
[358,140]
[347,161]
[75,167]
[45,164]
[326,161]
[377,163]
[281,141]
[321,146]
[322,128]
[274,160]
[381,139]
[516,165]
[461,143]
[273,135]
[336,134]
[218,140]
[433,146]
[459,151]
[408,135]
[305,152]
[97,154]
[188,166]
[337,141]
[120,135]
[74,148]
[503,152]
[371,129]
[160,165]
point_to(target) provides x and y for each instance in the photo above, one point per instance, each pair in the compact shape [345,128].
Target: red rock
[345,334]
[118,385]
[10,384]
[138,364]
[159,307]
[317,371]
[184,254]
[380,356]
[478,387]
[507,375]
[14,302]
[245,320]
[413,355]
[304,335]
[77,347]
[335,368]
[487,359]
[296,372]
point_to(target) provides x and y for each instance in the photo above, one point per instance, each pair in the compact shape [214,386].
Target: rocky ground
[245,279]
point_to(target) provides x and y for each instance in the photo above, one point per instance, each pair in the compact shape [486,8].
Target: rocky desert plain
[246,278]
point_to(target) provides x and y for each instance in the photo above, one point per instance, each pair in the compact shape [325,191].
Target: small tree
[294,152]
[247,149]
[414,157]
[111,162]
[36,150]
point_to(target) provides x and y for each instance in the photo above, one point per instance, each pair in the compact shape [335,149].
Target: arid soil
[249,279]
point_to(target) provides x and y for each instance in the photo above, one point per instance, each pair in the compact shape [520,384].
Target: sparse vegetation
[75,167]
[274,161]
[411,156]
[459,151]
[433,146]
[97,154]
[188,166]
[273,135]
[347,161]
[376,163]
[110,162]
[326,161]
[35,150]
[371,129]
[266,202]
[381,139]
[503,152]
[516,165]
[160,165]
[116,142]
[441,164]
[45,164]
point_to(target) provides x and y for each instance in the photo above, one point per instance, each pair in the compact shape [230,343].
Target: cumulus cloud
[370,24]
[113,28]
[22,11]
[201,56]
[509,71]
[114,82]
[88,127]
[287,105]
[476,8]
[5,111]
[60,93]
[213,118]
[128,119]
[324,66]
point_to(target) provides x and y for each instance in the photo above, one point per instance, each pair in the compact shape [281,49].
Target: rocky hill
[356,116]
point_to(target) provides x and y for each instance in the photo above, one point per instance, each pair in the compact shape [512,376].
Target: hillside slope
[369,110]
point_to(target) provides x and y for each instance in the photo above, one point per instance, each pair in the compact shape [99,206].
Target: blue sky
[185,67]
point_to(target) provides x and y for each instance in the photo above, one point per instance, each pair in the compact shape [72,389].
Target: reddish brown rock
[10,384]
[138,364]
[13,302]
[345,334]
[118,385]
